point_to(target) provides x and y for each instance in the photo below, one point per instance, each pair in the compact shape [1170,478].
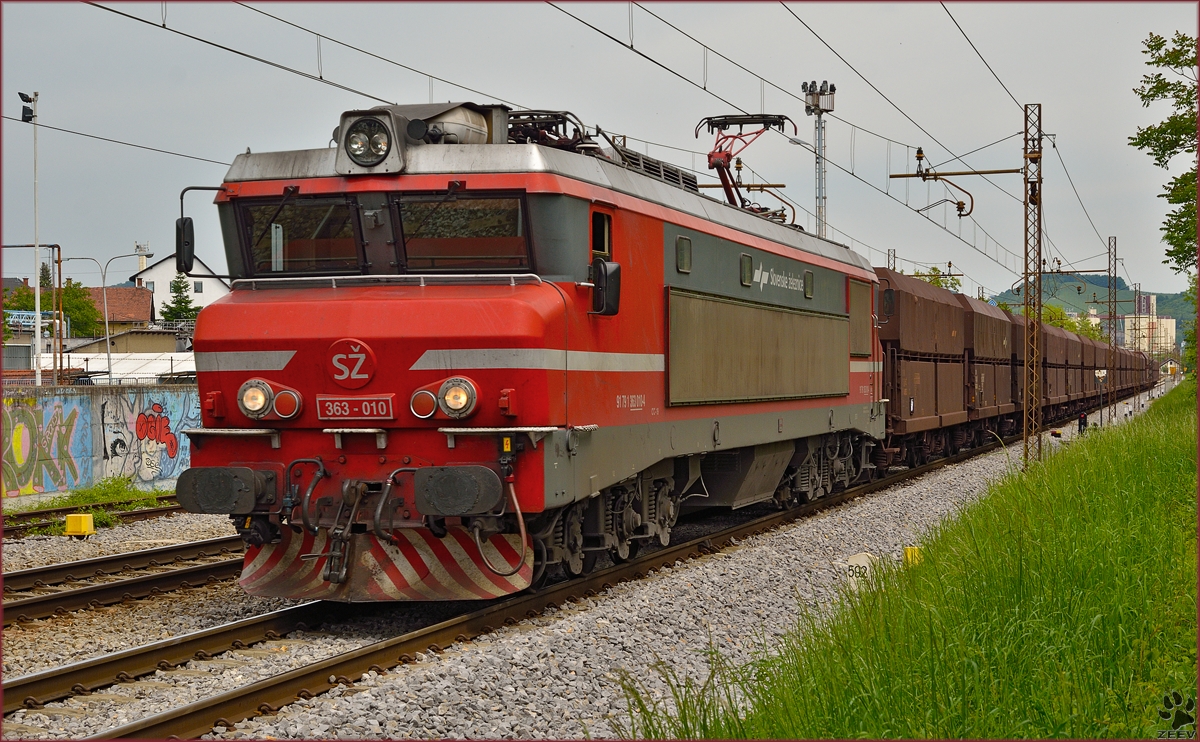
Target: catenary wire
[1053,143]
[319,79]
[377,56]
[889,100]
[778,87]
[247,55]
[739,108]
[117,141]
[985,62]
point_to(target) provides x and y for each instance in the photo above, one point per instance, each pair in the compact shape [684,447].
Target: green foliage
[44,276]
[1063,604]
[180,307]
[1054,315]
[935,277]
[86,320]
[104,492]
[103,500]
[1173,136]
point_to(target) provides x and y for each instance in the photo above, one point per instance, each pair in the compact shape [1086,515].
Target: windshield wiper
[288,192]
[449,192]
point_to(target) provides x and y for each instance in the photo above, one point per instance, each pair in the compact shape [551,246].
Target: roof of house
[124,304]
[172,258]
[12,283]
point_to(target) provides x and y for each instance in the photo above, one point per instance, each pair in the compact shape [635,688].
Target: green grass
[1061,605]
[98,500]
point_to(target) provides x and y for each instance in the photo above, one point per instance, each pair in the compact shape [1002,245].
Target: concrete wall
[63,438]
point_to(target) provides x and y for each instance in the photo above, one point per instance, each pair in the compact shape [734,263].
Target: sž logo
[351,363]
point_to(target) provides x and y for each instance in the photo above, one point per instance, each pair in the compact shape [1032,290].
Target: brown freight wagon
[923,343]
[988,340]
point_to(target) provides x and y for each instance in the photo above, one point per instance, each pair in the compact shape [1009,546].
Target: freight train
[467,346]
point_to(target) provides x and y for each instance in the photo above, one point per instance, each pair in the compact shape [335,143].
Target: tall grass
[1063,604]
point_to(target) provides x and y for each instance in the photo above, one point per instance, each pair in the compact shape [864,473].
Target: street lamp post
[104,294]
[29,115]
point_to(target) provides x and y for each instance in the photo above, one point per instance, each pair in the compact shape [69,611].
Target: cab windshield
[289,235]
[453,233]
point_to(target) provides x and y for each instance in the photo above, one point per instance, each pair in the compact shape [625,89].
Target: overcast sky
[110,76]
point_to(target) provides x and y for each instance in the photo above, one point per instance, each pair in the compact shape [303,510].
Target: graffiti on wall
[66,441]
[47,444]
[140,438]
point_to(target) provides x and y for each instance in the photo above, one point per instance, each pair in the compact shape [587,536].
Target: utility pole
[1032,279]
[1112,324]
[1031,276]
[819,101]
[29,116]
[1138,331]
[891,258]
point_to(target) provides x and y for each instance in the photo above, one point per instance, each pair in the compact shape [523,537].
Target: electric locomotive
[467,345]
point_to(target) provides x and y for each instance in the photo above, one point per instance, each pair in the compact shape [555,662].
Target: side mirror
[606,289]
[185,244]
[888,302]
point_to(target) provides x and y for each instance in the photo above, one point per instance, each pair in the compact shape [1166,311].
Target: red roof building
[128,307]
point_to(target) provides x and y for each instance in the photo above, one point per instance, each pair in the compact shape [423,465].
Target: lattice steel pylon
[1031,433]
[1139,330]
[1112,325]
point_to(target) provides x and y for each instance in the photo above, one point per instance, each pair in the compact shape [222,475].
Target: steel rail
[108,593]
[17,524]
[45,513]
[52,574]
[36,689]
[270,694]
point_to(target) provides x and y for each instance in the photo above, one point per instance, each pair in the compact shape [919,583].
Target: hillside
[1064,291]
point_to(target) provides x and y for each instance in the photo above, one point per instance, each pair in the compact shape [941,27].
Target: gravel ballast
[555,676]
[39,551]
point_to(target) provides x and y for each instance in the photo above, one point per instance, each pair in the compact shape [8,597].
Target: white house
[204,286]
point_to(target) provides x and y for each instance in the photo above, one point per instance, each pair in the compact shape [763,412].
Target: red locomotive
[468,344]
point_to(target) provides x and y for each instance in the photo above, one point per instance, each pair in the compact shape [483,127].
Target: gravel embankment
[79,635]
[39,551]
[556,676]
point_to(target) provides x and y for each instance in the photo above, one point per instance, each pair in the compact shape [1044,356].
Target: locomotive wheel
[541,575]
[575,562]
[625,551]
[668,513]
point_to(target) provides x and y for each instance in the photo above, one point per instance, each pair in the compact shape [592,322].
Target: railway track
[58,588]
[19,524]
[268,695]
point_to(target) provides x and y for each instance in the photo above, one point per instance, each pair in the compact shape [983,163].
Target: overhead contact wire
[247,55]
[117,141]
[742,110]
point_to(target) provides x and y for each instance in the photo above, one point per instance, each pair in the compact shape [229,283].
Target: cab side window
[601,235]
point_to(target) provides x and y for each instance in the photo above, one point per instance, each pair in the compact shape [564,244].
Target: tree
[86,320]
[1176,135]
[45,278]
[935,277]
[180,307]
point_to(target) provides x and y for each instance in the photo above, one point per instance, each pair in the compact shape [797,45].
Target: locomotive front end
[370,422]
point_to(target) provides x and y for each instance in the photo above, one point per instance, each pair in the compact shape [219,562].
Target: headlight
[457,397]
[368,142]
[254,398]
